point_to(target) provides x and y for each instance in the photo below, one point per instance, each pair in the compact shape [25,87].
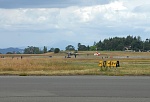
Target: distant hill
[11,49]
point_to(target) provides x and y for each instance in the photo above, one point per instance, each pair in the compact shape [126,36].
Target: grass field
[131,63]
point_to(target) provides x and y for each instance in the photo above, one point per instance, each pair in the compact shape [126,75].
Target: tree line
[37,50]
[124,43]
[132,43]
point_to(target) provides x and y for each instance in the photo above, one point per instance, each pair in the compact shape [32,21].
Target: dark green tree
[124,43]
[51,49]
[79,44]
[70,48]
[9,53]
[88,48]
[82,47]
[147,45]
[93,48]
[57,50]
[45,49]
[32,50]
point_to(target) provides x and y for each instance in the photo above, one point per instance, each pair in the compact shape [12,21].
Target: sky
[58,23]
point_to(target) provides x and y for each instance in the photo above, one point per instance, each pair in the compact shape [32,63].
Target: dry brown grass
[45,66]
[82,65]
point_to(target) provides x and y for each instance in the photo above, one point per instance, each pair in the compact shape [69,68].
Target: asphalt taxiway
[74,89]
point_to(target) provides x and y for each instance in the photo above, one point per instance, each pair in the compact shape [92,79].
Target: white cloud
[132,4]
[52,16]
[77,23]
[64,18]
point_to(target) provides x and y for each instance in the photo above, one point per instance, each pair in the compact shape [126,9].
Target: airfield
[85,63]
[53,77]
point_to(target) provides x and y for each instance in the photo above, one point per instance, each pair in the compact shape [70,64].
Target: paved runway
[74,89]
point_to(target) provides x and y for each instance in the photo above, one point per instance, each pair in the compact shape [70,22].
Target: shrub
[56,50]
